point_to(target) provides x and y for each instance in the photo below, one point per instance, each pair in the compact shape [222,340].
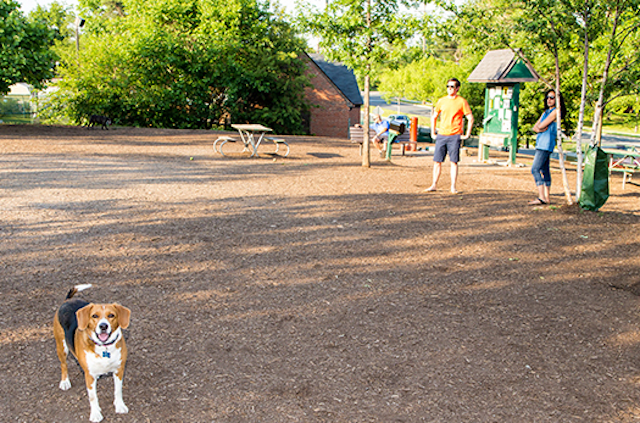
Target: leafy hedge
[185,64]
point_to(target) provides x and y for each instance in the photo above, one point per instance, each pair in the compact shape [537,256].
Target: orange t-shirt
[451,112]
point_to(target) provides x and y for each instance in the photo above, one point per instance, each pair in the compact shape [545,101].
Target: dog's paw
[96,416]
[120,407]
[65,384]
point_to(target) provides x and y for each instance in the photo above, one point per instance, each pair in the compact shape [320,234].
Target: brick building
[334,99]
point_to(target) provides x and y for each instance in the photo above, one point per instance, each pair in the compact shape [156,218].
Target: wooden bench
[355,135]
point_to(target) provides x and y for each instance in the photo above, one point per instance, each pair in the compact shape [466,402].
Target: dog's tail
[77,289]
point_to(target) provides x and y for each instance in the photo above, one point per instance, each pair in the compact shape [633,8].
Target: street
[423,112]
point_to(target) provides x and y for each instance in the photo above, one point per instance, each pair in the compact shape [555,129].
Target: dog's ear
[83,316]
[123,316]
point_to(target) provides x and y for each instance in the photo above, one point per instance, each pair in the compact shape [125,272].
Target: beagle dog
[93,334]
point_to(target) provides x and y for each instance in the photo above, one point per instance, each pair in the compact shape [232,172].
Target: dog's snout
[103,327]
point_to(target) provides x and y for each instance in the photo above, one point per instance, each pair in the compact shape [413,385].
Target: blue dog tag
[106,354]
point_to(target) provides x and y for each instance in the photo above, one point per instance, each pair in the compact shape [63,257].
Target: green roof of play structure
[503,66]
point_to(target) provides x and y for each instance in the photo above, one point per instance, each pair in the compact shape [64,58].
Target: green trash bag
[595,180]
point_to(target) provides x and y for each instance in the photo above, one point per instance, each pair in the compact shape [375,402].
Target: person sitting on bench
[382,133]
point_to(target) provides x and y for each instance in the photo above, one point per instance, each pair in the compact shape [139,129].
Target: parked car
[400,119]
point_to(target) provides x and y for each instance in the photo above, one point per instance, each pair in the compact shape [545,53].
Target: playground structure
[503,71]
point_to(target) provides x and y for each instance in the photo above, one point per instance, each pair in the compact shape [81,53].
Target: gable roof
[341,76]
[503,66]
[20,88]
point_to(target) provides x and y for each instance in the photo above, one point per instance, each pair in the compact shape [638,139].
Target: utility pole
[79,24]
[366,159]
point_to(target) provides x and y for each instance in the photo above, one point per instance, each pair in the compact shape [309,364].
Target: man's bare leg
[437,167]
[379,145]
[454,177]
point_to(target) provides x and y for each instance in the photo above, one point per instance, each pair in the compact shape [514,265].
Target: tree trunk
[366,159]
[598,113]
[637,113]
[600,124]
[583,101]
[565,179]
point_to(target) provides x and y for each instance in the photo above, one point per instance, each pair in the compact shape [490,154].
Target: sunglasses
[553,97]
[451,86]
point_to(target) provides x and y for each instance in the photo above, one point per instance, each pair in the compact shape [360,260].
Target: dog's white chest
[105,360]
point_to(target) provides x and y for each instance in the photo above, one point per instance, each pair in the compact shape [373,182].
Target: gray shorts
[447,144]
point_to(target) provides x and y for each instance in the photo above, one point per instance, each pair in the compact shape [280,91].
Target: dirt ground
[311,289]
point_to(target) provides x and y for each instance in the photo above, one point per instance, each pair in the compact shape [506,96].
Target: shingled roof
[503,66]
[341,76]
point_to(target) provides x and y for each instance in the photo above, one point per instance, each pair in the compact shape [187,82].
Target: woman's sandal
[537,202]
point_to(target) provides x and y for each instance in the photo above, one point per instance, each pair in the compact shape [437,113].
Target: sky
[29,5]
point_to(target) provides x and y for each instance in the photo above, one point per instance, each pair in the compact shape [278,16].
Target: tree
[424,80]
[361,34]
[602,23]
[629,108]
[444,54]
[25,54]
[185,64]
[604,33]
[553,29]
[620,67]
[58,17]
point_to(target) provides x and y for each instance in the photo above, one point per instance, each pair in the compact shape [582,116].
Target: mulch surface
[310,288]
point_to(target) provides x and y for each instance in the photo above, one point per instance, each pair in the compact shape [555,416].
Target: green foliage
[12,106]
[442,55]
[57,17]
[619,45]
[348,37]
[485,25]
[628,104]
[24,48]
[426,79]
[541,27]
[185,64]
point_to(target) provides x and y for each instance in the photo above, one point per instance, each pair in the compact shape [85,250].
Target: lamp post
[79,24]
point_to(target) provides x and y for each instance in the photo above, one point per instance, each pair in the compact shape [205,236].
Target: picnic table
[251,136]
[626,161]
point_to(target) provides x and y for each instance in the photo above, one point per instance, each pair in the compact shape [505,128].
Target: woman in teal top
[546,128]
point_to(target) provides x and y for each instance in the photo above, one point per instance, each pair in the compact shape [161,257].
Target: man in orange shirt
[451,109]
